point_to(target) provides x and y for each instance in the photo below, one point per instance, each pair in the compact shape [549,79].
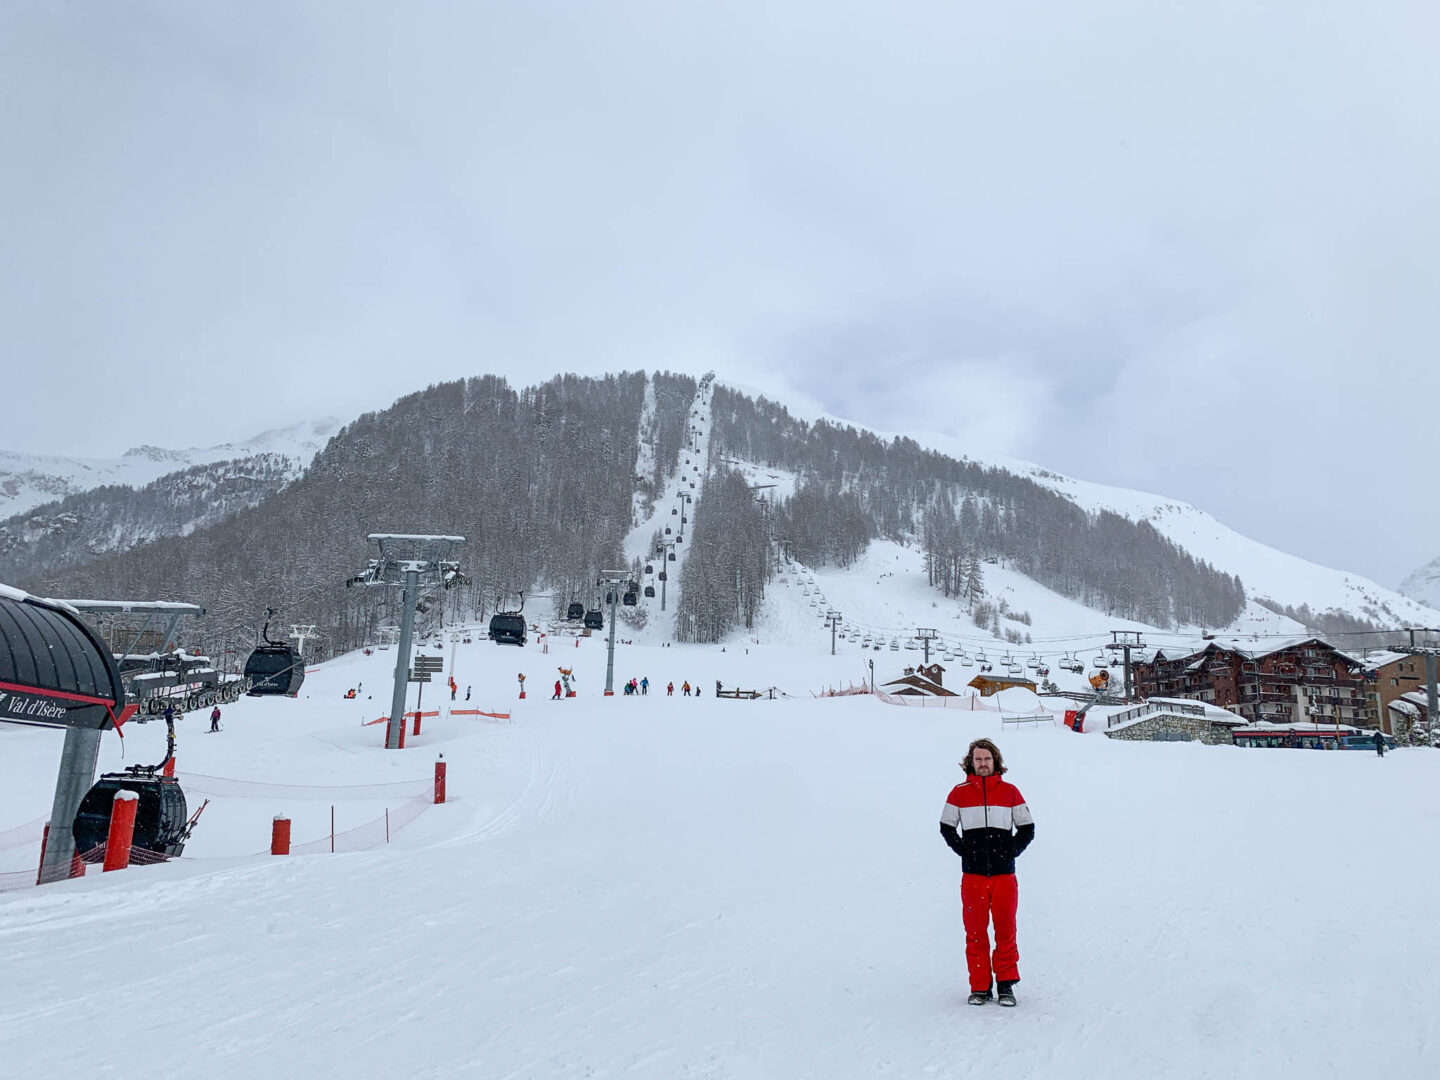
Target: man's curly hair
[983,744]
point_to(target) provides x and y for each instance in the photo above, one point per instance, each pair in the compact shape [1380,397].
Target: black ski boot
[980,997]
[1007,993]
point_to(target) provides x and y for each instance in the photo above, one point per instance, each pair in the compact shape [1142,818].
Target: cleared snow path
[701,888]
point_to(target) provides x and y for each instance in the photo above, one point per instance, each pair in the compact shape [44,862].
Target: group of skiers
[638,687]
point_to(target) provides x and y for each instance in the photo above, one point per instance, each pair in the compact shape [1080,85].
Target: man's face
[983,761]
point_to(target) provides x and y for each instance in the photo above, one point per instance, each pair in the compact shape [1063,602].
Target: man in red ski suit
[986,823]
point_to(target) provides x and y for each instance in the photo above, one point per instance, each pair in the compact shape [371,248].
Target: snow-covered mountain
[113,518]
[29,480]
[1423,585]
[1269,574]
[616,453]
[1273,577]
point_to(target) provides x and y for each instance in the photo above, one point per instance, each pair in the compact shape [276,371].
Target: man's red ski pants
[984,898]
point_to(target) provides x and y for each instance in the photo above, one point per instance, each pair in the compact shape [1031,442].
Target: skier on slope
[986,823]
[215,718]
[1379,743]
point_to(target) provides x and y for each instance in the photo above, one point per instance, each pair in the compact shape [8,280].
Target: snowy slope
[667,512]
[670,887]
[1423,585]
[28,480]
[1265,571]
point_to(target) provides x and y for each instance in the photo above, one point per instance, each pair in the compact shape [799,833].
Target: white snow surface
[670,887]
[29,480]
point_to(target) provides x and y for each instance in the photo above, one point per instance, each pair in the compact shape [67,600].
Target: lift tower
[409,560]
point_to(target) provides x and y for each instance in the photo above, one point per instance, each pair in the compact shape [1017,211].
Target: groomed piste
[690,887]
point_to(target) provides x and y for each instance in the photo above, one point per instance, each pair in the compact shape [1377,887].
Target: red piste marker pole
[440,781]
[417,723]
[280,835]
[122,830]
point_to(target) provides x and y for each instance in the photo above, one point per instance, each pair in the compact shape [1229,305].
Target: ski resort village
[633,541]
[650,761]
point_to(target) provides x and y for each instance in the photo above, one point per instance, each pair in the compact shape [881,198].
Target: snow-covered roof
[1252,648]
[1216,713]
[9,592]
[1381,657]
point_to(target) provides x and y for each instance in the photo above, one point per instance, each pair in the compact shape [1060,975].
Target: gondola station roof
[54,669]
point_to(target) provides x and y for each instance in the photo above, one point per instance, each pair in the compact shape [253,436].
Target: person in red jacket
[986,823]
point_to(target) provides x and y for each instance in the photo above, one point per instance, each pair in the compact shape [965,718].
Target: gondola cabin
[594,620]
[575,612]
[160,815]
[273,670]
[507,628]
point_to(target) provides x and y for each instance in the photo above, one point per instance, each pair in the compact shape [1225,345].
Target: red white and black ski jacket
[986,823]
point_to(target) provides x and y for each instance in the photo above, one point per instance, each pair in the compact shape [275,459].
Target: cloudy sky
[1189,247]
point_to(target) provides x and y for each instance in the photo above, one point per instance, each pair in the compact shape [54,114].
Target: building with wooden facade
[924,681]
[1308,681]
